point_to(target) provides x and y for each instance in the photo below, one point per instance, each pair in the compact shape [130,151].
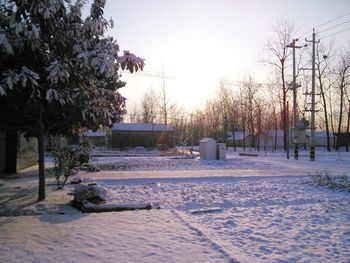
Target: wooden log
[207,210]
[248,154]
[113,208]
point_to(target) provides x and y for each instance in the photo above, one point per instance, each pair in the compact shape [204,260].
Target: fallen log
[88,207]
[206,210]
[248,154]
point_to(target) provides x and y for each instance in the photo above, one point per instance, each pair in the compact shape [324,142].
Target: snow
[244,209]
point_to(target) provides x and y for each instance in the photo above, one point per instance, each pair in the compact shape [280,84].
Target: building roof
[94,134]
[141,127]
[207,140]
[239,135]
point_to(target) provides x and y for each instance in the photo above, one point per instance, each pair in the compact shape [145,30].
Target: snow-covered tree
[58,72]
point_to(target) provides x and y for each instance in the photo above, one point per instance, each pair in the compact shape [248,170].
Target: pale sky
[200,42]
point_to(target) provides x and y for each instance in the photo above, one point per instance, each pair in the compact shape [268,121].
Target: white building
[207,148]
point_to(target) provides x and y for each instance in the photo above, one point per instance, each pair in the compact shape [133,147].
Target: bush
[324,178]
[67,160]
[84,150]
[162,147]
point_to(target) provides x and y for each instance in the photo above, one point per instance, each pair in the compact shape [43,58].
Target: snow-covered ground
[244,209]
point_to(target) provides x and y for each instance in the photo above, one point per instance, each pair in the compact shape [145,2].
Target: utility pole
[294,88]
[312,124]
[191,133]
[287,122]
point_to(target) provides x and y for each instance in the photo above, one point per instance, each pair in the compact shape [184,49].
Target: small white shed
[207,149]
[221,151]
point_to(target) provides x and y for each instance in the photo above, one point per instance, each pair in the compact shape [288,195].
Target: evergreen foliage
[58,72]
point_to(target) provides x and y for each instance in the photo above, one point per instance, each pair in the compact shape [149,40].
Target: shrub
[67,160]
[324,178]
[162,147]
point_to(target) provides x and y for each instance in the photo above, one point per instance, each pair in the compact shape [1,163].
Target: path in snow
[138,236]
[246,209]
[267,219]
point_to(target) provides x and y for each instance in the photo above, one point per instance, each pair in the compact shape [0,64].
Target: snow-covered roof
[320,134]
[239,135]
[207,140]
[94,134]
[141,127]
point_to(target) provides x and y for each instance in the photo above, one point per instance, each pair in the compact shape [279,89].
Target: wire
[303,35]
[325,23]
[336,33]
[324,30]
[329,21]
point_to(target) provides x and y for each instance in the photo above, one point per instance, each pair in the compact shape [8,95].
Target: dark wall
[16,152]
[2,151]
[141,138]
[343,139]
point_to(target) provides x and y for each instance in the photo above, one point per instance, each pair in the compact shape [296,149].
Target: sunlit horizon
[195,44]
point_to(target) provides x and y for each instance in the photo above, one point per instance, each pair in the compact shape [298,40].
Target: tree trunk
[340,108]
[275,140]
[326,117]
[324,101]
[233,138]
[284,114]
[284,103]
[331,118]
[347,131]
[243,122]
[41,162]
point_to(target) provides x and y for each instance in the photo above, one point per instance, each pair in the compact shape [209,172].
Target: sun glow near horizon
[193,68]
[198,43]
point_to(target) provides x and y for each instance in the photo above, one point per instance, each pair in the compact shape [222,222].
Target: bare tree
[224,98]
[249,93]
[348,123]
[179,119]
[135,114]
[322,58]
[343,75]
[165,105]
[274,122]
[276,56]
[149,105]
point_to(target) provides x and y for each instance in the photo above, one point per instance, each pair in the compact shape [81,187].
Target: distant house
[321,138]
[270,139]
[141,134]
[98,138]
[275,138]
[240,138]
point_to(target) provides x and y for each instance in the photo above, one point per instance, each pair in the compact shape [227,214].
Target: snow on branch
[131,62]
[6,44]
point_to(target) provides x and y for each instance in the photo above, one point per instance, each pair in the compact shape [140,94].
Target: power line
[329,28]
[306,33]
[325,23]
[334,19]
[148,73]
[336,33]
